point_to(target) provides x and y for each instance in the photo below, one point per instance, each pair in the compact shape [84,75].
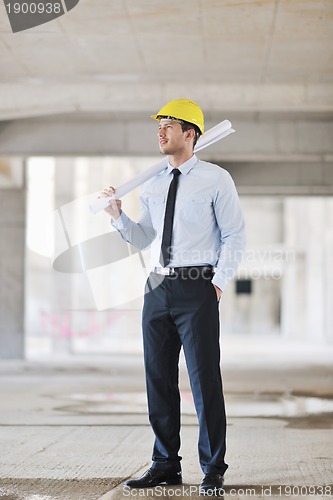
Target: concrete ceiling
[127,56]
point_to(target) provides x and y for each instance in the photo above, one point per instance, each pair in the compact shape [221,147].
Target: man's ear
[190,134]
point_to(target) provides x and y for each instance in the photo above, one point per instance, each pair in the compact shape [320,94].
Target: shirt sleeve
[230,221]
[139,234]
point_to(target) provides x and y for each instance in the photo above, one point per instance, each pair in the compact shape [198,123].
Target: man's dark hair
[187,126]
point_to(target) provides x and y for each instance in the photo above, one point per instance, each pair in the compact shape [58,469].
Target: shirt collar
[185,167]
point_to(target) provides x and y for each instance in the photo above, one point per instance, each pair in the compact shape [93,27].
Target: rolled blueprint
[212,135]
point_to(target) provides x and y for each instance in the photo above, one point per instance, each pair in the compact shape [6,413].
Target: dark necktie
[168,219]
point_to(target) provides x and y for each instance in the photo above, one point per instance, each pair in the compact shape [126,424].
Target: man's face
[171,137]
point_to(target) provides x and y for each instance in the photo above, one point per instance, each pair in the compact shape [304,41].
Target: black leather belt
[192,272]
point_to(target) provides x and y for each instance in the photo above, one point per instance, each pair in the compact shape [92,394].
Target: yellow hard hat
[183,109]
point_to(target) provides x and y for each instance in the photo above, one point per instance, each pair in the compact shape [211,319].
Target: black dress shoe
[212,485]
[154,477]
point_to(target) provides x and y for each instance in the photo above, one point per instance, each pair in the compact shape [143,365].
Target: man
[190,214]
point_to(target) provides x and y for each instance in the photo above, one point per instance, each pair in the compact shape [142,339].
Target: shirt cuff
[220,281]
[121,222]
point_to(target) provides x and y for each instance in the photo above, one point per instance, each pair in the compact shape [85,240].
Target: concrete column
[315,272]
[12,251]
[308,291]
[328,270]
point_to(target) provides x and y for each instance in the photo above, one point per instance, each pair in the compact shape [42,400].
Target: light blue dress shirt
[208,225]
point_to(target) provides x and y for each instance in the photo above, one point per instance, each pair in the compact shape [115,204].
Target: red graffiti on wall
[61,325]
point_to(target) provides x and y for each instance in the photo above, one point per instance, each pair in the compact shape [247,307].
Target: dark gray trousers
[180,311]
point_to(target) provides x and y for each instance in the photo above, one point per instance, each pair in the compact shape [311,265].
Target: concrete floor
[76,428]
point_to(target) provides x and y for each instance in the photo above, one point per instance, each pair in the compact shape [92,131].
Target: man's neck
[178,160]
